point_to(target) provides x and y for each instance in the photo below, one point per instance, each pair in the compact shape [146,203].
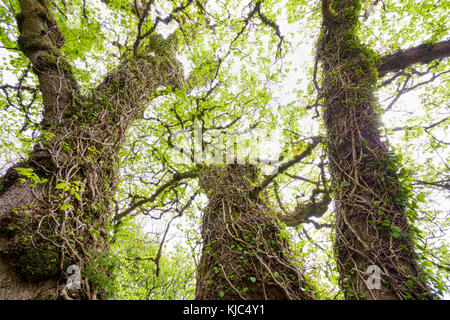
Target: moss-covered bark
[371,225]
[245,255]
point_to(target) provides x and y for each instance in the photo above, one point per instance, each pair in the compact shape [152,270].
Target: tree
[141,276]
[57,216]
[245,255]
[57,203]
[370,196]
[101,101]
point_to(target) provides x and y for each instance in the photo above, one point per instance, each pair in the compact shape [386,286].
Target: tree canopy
[255,75]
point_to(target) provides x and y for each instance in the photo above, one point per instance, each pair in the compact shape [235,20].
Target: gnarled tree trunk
[371,225]
[245,255]
[53,206]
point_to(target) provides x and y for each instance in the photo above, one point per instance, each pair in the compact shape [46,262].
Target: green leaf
[24,171]
[421,197]
[61,185]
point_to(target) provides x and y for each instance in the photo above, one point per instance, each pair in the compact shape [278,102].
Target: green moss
[159,45]
[38,264]
[43,2]
[30,43]
[99,272]
[50,60]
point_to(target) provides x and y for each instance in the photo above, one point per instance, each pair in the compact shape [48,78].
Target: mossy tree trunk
[371,224]
[54,206]
[245,255]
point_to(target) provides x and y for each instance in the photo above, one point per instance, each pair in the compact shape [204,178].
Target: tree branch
[175,179]
[40,40]
[271,24]
[421,54]
[287,165]
[424,127]
[443,184]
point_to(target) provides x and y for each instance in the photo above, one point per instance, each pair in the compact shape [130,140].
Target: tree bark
[54,206]
[370,199]
[244,253]
[421,54]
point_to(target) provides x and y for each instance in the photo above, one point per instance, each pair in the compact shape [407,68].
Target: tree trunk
[54,206]
[371,225]
[245,255]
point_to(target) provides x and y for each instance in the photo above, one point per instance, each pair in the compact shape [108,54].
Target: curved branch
[287,165]
[421,54]
[424,127]
[40,40]
[443,184]
[303,212]
[272,25]
[175,180]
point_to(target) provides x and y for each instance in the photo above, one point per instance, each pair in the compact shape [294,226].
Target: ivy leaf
[396,232]
[421,197]
[61,185]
